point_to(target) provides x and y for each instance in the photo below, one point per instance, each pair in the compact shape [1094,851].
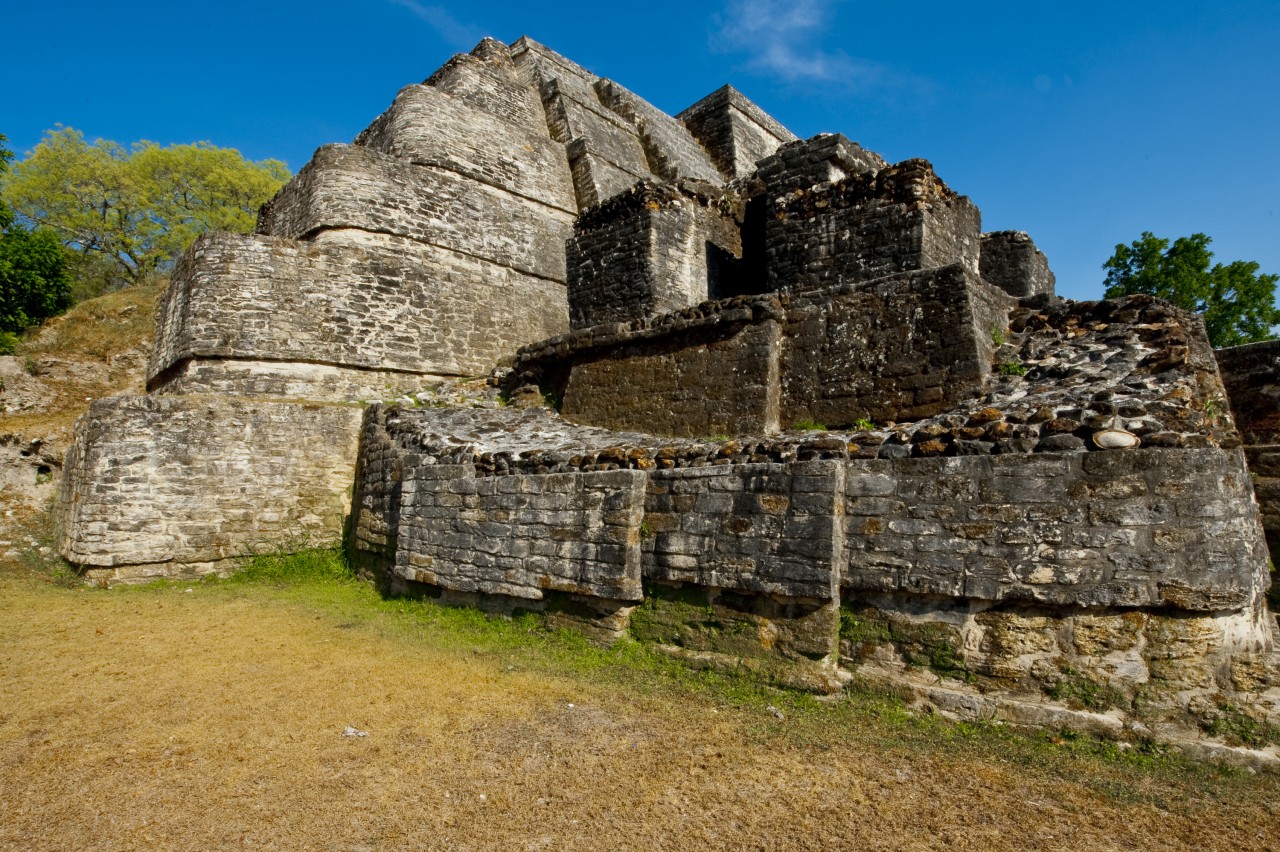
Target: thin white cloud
[782,37]
[454,32]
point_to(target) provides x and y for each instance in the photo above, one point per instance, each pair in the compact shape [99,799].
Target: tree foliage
[34,283]
[1236,301]
[139,206]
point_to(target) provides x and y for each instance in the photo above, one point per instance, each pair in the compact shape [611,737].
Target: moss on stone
[931,645]
[1081,692]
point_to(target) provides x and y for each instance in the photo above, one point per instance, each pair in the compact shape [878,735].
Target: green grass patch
[1237,728]
[1011,368]
[931,645]
[1080,692]
[809,425]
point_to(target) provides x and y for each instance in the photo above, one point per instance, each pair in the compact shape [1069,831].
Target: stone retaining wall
[388,304]
[181,486]
[1151,561]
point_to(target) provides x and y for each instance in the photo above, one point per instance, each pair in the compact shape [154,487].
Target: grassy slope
[95,349]
[210,714]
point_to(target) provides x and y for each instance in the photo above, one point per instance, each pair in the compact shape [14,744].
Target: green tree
[140,207]
[34,283]
[1236,301]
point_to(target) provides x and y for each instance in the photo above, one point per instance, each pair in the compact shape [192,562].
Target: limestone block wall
[1131,577]
[696,378]
[613,138]
[351,187]
[427,127]
[242,314]
[650,250]
[1011,261]
[1138,528]
[521,536]
[670,149]
[903,348]
[1251,376]
[487,78]
[762,528]
[825,158]
[176,486]
[736,132]
[869,225]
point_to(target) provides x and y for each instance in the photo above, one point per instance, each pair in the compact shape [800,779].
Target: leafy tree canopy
[141,206]
[34,283]
[1238,303]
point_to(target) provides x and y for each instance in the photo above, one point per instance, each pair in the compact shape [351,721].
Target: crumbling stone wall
[860,352]
[1011,261]
[1113,573]
[868,225]
[651,250]
[1251,376]
[755,364]
[1135,528]
[803,164]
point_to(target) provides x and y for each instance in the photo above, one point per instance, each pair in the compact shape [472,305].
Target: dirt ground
[215,718]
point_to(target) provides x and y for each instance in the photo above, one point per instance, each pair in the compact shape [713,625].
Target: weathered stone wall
[1251,376]
[736,132]
[825,158]
[1135,528]
[613,137]
[521,536]
[288,380]
[387,304]
[1128,580]
[708,378]
[670,149]
[762,528]
[903,348]
[648,251]
[605,150]
[427,127]
[868,225]
[350,187]
[487,78]
[1011,261]
[173,486]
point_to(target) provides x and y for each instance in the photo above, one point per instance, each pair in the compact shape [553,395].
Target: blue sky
[1082,123]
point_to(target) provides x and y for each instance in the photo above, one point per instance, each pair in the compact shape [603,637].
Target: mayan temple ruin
[766,402]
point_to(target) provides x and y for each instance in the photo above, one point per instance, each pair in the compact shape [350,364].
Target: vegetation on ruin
[1236,300]
[809,425]
[129,212]
[1011,368]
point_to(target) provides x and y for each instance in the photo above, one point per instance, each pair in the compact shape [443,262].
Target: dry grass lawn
[213,718]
